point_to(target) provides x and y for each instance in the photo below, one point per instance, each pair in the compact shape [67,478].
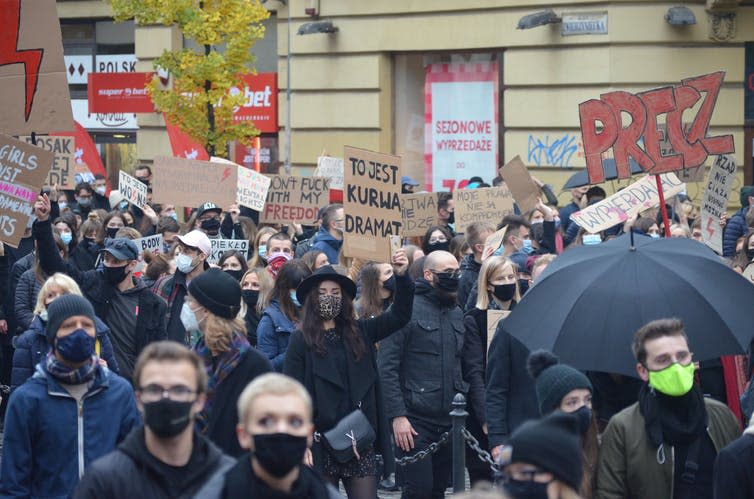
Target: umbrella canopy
[581,178]
[590,301]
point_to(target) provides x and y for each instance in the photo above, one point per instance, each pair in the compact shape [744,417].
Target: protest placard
[151,243]
[62,172]
[522,186]
[418,213]
[251,190]
[371,203]
[749,272]
[295,199]
[331,168]
[133,189]
[489,204]
[23,170]
[35,96]
[188,182]
[625,204]
[715,201]
[692,146]
[493,242]
[220,246]
[493,318]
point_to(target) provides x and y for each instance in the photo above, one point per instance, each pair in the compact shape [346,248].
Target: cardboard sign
[295,199]
[517,178]
[749,273]
[252,188]
[88,160]
[715,203]
[625,204]
[119,93]
[331,168]
[418,213]
[371,203]
[493,242]
[23,170]
[691,147]
[493,318]
[150,243]
[134,190]
[187,182]
[62,172]
[489,204]
[220,246]
[34,95]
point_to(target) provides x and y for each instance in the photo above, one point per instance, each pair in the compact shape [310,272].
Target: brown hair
[370,301]
[655,329]
[474,233]
[157,265]
[313,329]
[171,351]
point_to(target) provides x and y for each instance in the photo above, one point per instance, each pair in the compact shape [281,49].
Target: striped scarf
[69,375]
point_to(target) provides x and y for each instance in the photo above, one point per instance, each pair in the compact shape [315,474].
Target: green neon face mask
[675,380]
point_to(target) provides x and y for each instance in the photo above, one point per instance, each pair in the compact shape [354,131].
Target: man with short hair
[408,184]
[144,174]
[68,414]
[420,368]
[476,235]
[330,236]
[167,457]
[665,444]
[446,215]
[193,250]
[84,197]
[577,196]
[279,252]
[100,200]
[133,313]
[517,242]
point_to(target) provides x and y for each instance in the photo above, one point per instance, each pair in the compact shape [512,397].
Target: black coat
[469,276]
[733,470]
[421,364]
[322,379]
[223,418]
[511,397]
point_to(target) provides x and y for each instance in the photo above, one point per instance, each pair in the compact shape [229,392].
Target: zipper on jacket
[672,470]
[80,431]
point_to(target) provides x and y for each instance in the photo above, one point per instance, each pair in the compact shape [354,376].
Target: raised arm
[399,313]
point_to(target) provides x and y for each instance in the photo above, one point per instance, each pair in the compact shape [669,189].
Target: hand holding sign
[400,262]
[42,208]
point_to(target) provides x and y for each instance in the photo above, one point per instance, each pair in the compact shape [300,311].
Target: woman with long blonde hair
[260,247]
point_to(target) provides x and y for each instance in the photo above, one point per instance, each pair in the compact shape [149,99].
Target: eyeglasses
[178,393]
[454,274]
[435,240]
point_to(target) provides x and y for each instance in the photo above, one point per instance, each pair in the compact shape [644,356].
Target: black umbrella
[589,302]
[611,173]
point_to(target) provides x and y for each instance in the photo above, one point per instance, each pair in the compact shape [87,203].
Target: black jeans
[428,478]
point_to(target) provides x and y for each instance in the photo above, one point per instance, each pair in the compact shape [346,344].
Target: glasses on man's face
[455,274]
[177,393]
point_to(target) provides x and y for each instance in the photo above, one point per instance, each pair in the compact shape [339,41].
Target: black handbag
[352,435]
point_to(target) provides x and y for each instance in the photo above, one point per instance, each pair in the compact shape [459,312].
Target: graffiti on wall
[550,150]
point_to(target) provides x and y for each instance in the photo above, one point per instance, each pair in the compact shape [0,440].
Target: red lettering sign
[690,148]
[260,104]
[119,93]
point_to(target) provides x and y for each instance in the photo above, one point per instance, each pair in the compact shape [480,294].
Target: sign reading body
[23,170]
[62,172]
[371,203]
[187,182]
[150,243]
[418,213]
[295,199]
[489,204]
[622,205]
[715,203]
[691,147]
[133,189]
[220,246]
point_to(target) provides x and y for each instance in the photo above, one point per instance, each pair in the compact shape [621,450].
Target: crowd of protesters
[293,371]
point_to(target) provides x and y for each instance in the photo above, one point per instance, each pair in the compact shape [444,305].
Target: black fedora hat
[324,273]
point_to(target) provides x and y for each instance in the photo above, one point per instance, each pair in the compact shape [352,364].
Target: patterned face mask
[330,306]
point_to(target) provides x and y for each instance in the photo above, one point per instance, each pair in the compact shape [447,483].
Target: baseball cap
[208,206]
[122,248]
[406,180]
[196,239]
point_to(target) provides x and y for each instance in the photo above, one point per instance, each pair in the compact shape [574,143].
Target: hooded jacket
[328,245]
[132,472]
[273,334]
[469,275]
[735,228]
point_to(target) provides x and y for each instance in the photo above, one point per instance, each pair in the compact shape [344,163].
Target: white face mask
[184,263]
[100,190]
[188,318]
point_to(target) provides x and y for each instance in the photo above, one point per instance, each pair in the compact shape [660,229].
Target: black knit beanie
[551,443]
[217,292]
[62,308]
[554,380]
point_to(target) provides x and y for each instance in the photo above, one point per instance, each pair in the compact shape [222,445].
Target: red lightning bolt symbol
[226,174]
[10,24]
[710,229]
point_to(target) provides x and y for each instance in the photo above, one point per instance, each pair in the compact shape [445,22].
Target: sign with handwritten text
[488,204]
[715,202]
[295,199]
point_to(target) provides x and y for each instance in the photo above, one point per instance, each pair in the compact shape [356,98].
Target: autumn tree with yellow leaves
[198,101]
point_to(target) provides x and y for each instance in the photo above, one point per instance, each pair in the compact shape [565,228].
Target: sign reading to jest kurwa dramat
[489,204]
[62,173]
[295,199]
[23,170]
[691,147]
[371,203]
[715,203]
[418,213]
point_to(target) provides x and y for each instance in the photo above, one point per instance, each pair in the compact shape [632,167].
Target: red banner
[260,105]
[119,93]
[85,151]
[183,145]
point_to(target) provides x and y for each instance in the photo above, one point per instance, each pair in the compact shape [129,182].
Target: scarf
[218,368]
[675,420]
[68,375]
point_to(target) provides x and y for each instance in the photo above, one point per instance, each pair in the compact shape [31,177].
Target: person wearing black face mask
[420,367]
[72,406]
[437,238]
[497,276]
[133,313]
[234,264]
[167,457]
[562,388]
[446,215]
[275,426]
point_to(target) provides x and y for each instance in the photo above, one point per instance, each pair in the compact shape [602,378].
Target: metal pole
[458,415]
[288,97]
